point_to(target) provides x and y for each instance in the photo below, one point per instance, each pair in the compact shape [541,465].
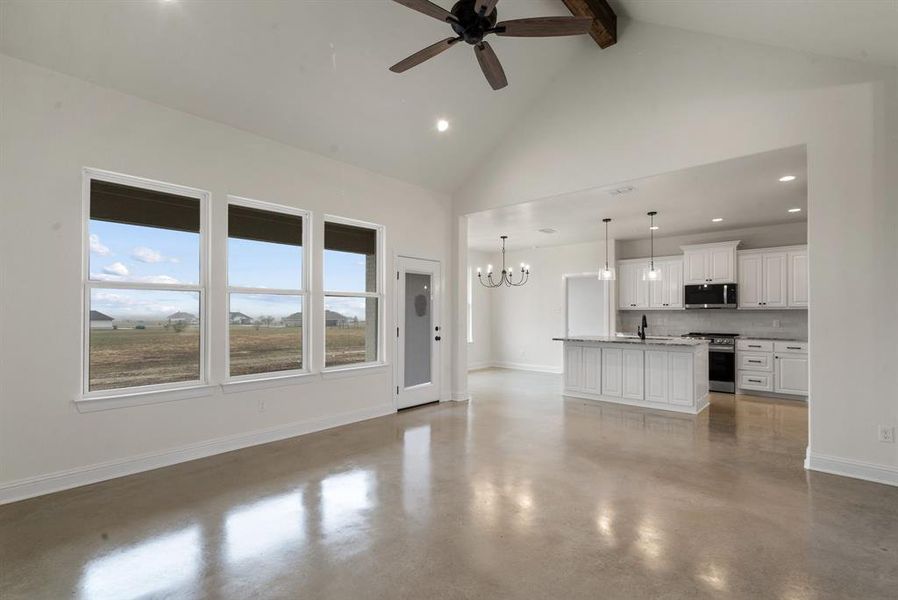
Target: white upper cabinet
[798,278]
[667,293]
[637,293]
[710,263]
[751,280]
[773,278]
[633,290]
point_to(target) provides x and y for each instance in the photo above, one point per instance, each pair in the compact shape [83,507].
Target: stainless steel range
[721,360]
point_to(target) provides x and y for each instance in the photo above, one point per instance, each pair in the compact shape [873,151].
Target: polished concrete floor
[519,494]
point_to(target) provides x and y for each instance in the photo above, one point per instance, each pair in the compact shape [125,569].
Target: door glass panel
[418,329]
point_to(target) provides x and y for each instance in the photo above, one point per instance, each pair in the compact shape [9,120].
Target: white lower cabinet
[592,370]
[680,378]
[633,374]
[772,366]
[573,367]
[761,382]
[656,376]
[791,374]
[612,372]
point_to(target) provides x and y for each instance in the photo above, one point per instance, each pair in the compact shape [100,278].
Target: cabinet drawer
[756,361]
[791,347]
[755,345]
[748,380]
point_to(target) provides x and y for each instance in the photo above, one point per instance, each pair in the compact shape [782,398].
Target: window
[266,289]
[352,292]
[144,284]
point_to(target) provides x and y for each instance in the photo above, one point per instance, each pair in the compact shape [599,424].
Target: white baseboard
[477,366]
[851,468]
[72,478]
[527,367]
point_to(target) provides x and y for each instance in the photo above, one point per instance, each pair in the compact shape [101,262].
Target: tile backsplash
[757,323]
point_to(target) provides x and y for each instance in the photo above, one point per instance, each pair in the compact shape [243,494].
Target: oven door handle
[722,349]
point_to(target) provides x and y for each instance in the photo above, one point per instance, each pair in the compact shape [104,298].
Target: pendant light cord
[606,245]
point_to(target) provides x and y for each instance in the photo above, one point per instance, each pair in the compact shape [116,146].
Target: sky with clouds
[131,253]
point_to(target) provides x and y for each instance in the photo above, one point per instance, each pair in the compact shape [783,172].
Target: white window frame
[303,292]
[136,392]
[380,285]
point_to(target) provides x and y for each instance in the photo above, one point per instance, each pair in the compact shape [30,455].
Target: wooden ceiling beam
[604,23]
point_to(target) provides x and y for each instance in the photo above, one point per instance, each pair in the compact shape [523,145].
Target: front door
[418,331]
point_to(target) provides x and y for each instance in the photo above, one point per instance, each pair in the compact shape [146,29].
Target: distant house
[335,319]
[294,320]
[182,317]
[238,318]
[100,321]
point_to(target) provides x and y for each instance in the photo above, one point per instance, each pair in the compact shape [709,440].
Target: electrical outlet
[261,406]
[777,323]
[886,434]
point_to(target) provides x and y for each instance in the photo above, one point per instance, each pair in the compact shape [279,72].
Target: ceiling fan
[473,20]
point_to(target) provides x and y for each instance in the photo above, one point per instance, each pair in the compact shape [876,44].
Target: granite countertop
[650,341]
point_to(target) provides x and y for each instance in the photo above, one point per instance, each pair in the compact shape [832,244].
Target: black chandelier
[507,276]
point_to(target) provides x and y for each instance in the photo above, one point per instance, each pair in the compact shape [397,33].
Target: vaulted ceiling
[314,74]
[310,74]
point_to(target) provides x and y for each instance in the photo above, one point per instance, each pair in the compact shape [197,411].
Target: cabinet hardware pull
[755,361]
[793,347]
[755,380]
[753,346]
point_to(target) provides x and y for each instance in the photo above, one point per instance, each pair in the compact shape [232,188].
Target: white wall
[526,319]
[480,350]
[768,236]
[52,126]
[665,99]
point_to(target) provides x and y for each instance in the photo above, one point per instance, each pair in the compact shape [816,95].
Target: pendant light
[652,274]
[606,274]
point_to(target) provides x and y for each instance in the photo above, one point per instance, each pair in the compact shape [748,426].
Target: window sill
[127,399]
[349,371]
[259,383]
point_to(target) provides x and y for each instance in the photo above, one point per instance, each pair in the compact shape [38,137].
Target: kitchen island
[658,372]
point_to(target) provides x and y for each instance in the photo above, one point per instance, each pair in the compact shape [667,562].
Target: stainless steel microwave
[710,295]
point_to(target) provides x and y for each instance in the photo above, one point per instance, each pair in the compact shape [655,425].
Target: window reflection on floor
[264,526]
[147,569]
[416,470]
[344,500]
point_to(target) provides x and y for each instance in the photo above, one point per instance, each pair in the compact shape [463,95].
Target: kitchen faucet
[641,330]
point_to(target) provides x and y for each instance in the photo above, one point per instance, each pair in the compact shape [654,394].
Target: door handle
[437,338]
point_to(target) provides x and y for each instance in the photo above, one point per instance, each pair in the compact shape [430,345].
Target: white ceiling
[745,192]
[310,74]
[313,74]
[864,30]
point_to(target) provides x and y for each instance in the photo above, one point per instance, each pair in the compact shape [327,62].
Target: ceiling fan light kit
[473,20]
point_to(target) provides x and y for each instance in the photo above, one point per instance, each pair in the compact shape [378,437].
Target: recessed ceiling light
[717,219]
[653,227]
[786,178]
[548,230]
[442,125]
[794,210]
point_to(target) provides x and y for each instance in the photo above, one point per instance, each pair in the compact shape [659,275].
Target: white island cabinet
[661,373]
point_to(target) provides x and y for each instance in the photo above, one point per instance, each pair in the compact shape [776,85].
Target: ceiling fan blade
[421,55]
[485,6]
[490,65]
[544,26]
[428,8]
